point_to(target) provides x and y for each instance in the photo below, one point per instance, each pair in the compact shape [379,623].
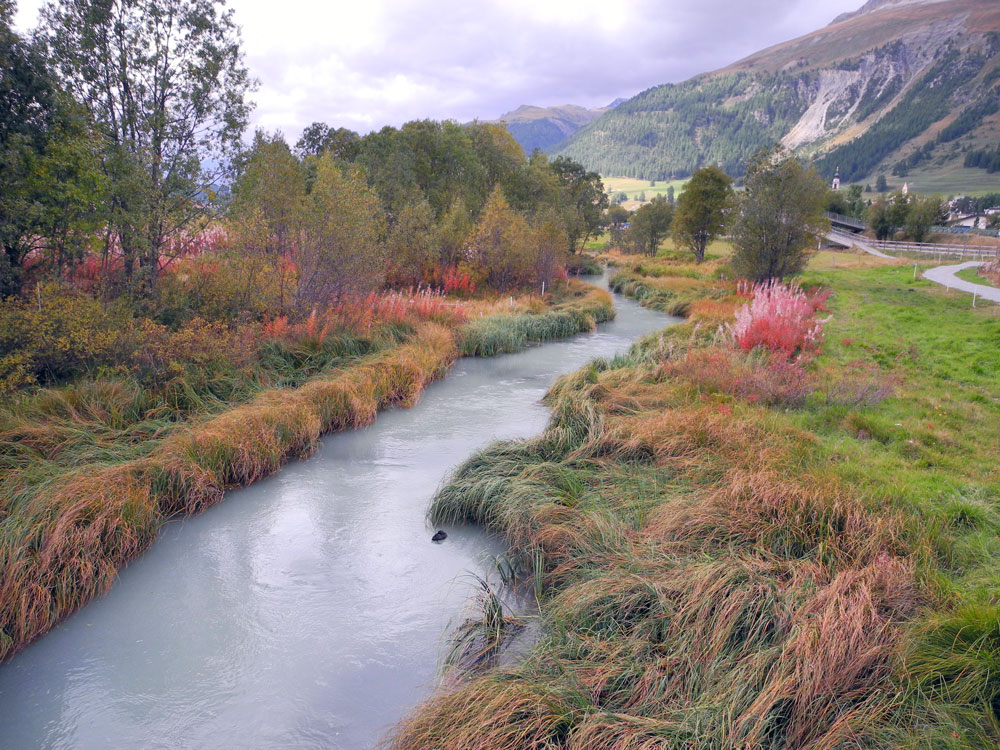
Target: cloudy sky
[363,64]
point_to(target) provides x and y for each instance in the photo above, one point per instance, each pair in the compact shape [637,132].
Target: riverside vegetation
[92,470]
[173,325]
[754,530]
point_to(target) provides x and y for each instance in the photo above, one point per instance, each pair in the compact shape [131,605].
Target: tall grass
[716,569]
[62,541]
[671,295]
[503,334]
[91,471]
[754,611]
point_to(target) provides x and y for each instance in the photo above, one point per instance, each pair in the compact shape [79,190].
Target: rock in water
[440,536]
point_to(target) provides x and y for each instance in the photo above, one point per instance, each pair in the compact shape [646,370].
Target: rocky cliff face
[896,85]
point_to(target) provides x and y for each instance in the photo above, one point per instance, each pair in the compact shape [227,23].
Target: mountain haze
[546,128]
[897,86]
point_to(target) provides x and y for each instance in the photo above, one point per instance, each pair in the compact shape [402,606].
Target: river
[309,610]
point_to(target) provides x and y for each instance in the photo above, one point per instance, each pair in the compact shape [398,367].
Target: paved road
[945,275]
[846,239]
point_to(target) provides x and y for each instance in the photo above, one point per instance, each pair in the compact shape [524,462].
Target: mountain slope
[547,127]
[899,85]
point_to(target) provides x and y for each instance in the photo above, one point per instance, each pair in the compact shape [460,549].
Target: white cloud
[368,63]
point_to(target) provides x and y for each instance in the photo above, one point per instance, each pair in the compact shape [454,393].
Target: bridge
[848,240]
[848,223]
[929,250]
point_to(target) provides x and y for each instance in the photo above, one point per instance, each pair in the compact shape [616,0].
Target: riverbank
[316,592]
[734,552]
[93,470]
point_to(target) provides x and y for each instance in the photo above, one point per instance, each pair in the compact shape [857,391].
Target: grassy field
[632,186]
[949,179]
[734,551]
[972,275]
[668,247]
[93,469]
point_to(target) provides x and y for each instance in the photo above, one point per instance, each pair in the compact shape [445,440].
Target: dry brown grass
[66,545]
[752,600]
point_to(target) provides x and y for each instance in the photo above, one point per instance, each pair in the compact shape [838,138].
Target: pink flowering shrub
[779,317]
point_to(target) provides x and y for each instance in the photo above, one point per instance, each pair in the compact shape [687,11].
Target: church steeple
[836,180]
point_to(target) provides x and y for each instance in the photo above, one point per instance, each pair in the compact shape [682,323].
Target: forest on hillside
[670,131]
[722,119]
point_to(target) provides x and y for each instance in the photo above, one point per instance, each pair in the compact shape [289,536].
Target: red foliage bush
[778,317]
[456,281]
[360,314]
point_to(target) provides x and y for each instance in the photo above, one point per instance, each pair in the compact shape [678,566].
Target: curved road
[945,275]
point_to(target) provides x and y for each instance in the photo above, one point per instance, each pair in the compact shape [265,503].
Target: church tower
[836,180]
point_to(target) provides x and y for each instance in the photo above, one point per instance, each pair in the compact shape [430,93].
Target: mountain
[897,87]
[546,128]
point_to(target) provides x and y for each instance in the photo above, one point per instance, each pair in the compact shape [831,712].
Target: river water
[309,610]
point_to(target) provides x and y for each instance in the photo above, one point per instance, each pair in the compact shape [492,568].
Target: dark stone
[439,537]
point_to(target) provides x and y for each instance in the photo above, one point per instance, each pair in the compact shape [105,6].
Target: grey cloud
[378,62]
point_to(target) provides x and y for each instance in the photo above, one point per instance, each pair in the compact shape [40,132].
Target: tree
[616,216]
[339,251]
[501,244]
[887,214]
[921,215]
[551,243]
[779,216]
[879,218]
[855,202]
[881,186]
[320,137]
[615,219]
[411,244]
[702,210]
[585,199]
[453,233]
[271,188]
[650,225]
[165,82]
[51,186]
[670,194]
